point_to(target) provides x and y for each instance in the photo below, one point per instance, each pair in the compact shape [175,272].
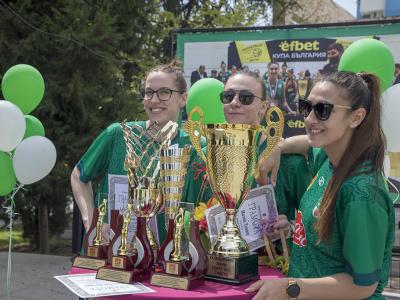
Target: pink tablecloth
[209,290]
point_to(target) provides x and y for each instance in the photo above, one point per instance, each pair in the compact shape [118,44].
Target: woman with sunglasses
[345,223]
[245,102]
[163,98]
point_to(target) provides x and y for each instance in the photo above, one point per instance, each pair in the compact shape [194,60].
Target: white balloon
[12,126]
[390,117]
[386,165]
[34,158]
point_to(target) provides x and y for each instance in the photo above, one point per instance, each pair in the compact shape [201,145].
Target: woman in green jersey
[245,102]
[345,222]
[163,98]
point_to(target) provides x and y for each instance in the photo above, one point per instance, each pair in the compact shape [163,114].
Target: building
[319,11]
[376,9]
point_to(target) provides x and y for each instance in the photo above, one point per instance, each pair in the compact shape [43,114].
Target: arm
[83,194]
[335,287]
[295,144]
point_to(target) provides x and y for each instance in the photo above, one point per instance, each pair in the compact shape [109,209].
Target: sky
[349,5]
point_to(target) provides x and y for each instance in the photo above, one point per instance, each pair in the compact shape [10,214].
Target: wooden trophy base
[232,270]
[96,258]
[89,262]
[186,282]
[122,270]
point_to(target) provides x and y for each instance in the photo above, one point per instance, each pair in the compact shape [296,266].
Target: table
[209,290]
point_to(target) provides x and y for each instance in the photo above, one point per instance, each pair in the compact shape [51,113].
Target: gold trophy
[178,260]
[145,200]
[94,250]
[231,163]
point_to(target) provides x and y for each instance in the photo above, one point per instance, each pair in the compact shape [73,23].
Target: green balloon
[23,85]
[205,95]
[372,56]
[7,174]
[33,127]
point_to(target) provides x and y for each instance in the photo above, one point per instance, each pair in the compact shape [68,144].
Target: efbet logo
[299,46]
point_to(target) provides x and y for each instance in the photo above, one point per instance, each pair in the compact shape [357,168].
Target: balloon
[12,126]
[34,158]
[205,95]
[23,85]
[33,127]
[386,165]
[369,55]
[390,114]
[7,174]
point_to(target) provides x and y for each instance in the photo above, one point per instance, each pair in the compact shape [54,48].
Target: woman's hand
[273,289]
[281,223]
[269,168]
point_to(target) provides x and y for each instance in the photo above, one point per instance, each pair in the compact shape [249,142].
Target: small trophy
[132,260]
[95,253]
[185,257]
[174,165]
[231,163]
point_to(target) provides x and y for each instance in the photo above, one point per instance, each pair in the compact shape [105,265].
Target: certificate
[259,204]
[87,286]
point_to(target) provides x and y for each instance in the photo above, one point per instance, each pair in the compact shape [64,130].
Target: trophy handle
[193,126]
[272,139]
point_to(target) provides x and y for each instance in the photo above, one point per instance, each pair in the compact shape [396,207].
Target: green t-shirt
[363,229]
[106,156]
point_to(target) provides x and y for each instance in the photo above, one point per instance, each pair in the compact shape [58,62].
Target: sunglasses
[322,110]
[245,97]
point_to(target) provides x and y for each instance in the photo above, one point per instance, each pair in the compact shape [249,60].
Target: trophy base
[123,262]
[97,251]
[233,270]
[174,267]
[122,276]
[175,281]
[89,262]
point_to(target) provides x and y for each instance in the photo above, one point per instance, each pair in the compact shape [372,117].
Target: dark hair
[173,68]
[367,144]
[307,73]
[397,65]
[256,77]
[337,46]
[274,62]
[284,64]
[214,71]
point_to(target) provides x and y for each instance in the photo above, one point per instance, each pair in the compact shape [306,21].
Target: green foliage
[89,84]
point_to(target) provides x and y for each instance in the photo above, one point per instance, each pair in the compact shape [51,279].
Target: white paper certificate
[260,204]
[87,286]
[118,199]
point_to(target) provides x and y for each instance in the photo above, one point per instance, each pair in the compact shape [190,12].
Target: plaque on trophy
[95,250]
[231,166]
[133,260]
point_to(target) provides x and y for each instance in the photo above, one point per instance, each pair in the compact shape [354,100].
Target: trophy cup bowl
[231,159]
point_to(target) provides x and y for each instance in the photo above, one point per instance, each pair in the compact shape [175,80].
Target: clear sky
[349,5]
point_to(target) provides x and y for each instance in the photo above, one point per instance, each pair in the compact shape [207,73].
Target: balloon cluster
[373,56]
[26,155]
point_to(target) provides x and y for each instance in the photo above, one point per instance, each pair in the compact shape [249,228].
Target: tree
[92,55]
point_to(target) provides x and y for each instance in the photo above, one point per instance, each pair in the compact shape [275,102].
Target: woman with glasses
[164,96]
[245,102]
[345,222]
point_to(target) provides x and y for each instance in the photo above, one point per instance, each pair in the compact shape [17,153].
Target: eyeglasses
[163,94]
[245,97]
[321,110]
